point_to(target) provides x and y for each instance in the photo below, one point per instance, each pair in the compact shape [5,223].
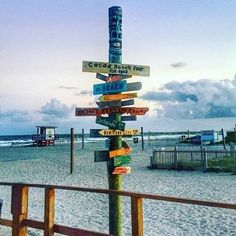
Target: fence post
[82,138]
[137,216]
[205,166]
[142,138]
[176,158]
[19,209]
[0,207]
[232,154]
[149,138]
[49,212]
[72,150]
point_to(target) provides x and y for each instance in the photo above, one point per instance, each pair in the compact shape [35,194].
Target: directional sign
[128,118]
[121,170]
[120,152]
[112,124]
[101,156]
[134,86]
[98,112]
[112,132]
[129,102]
[111,78]
[115,68]
[86,111]
[109,104]
[113,97]
[116,87]
[94,133]
[122,160]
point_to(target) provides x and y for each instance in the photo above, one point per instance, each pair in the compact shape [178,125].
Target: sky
[189,45]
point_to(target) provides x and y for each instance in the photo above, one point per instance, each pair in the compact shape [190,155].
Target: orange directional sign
[113,97]
[98,112]
[121,170]
[115,132]
[120,152]
[115,68]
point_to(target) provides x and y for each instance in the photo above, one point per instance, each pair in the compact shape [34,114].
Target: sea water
[51,165]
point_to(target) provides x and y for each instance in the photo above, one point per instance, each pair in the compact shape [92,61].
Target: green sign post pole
[115,181]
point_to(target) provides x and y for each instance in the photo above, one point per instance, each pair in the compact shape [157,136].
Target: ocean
[20,162]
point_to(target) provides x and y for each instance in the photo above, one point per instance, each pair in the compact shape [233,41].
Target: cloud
[55,109]
[178,64]
[84,93]
[67,87]
[195,99]
[15,116]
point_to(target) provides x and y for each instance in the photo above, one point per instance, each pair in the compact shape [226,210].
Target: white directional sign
[115,68]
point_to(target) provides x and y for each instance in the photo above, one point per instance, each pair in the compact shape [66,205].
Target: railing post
[19,209]
[205,166]
[176,158]
[49,212]
[137,216]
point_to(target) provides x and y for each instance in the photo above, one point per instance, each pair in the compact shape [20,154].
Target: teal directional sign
[112,124]
[115,87]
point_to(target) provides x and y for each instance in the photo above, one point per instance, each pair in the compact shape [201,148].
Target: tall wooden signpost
[113,102]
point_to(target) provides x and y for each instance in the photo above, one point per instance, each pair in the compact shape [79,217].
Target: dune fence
[202,159]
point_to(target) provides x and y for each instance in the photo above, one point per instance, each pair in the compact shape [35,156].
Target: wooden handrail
[20,222]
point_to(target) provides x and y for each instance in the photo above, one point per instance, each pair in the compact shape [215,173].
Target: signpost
[115,87]
[120,152]
[121,170]
[115,68]
[117,97]
[110,110]
[111,103]
[113,124]
[112,132]
[122,160]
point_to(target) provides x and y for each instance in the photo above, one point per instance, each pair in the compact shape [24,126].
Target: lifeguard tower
[45,136]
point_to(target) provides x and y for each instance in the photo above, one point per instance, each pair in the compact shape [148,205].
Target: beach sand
[50,165]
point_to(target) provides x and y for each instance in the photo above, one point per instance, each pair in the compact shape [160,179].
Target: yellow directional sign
[120,152]
[115,68]
[114,97]
[114,132]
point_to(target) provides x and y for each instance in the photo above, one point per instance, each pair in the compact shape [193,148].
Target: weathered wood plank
[137,216]
[19,209]
[49,212]
[134,86]
[5,222]
[111,123]
[114,87]
[115,68]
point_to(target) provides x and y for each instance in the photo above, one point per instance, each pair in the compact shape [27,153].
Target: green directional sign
[112,124]
[122,160]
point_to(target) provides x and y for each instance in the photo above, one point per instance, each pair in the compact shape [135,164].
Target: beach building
[45,136]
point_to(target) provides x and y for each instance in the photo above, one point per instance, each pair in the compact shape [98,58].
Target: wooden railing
[19,209]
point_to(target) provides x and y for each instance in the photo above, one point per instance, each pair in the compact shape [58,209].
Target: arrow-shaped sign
[98,112]
[120,152]
[113,97]
[134,86]
[121,170]
[109,104]
[116,87]
[128,118]
[122,160]
[111,132]
[112,124]
[115,103]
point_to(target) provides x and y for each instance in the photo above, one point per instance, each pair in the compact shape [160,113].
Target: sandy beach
[50,165]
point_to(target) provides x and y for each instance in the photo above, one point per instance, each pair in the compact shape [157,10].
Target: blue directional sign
[114,87]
